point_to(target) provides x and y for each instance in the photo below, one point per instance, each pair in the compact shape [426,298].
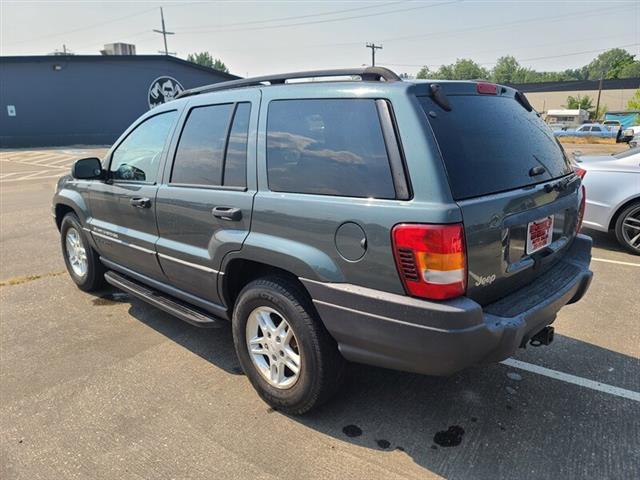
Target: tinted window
[198,159]
[490,143]
[235,165]
[596,129]
[138,156]
[328,147]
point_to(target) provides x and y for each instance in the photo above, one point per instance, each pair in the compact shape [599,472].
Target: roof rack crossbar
[366,74]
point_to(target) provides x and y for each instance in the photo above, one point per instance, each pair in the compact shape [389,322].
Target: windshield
[491,144]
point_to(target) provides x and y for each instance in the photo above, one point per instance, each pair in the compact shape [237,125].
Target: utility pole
[164,35]
[599,93]
[373,48]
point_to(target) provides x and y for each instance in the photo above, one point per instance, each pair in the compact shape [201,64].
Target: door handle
[140,202]
[227,213]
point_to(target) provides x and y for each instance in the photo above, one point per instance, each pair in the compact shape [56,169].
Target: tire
[92,276]
[626,233]
[321,367]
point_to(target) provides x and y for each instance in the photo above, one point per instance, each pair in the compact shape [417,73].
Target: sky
[259,38]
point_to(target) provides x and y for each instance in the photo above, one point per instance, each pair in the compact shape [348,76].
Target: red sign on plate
[539,234]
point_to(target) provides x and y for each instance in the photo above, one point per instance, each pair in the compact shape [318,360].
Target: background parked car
[612,183]
[588,130]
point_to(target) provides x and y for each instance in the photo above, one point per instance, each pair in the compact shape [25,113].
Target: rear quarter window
[211,152]
[199,156]
[327,147]
[490,143]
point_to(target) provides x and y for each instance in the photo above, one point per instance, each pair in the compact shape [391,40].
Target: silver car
[612,183]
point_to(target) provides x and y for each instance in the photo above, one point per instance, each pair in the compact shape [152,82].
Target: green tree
[585,103]
[634,102]
[206,60]
[609,64]
[424,73]
[630,70]
[577,73]
[508,70]
[463,69]
[614,63]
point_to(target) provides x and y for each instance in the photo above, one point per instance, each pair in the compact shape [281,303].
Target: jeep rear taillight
[431,260]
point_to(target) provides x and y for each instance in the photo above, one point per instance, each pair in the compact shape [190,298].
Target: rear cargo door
[512,181]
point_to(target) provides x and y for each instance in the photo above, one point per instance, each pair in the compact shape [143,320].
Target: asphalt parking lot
[105,386]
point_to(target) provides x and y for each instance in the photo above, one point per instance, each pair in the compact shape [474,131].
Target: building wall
[612,99]
[87,101]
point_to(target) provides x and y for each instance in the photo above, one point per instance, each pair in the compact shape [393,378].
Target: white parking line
[30,178]
[618,262]
[70,160]
[5,175]
[566,377]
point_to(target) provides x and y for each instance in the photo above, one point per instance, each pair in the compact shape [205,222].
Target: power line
[295,17]
[520,59]
[87,27]
[498,26]
[329,20]
[571,54]
[511,52]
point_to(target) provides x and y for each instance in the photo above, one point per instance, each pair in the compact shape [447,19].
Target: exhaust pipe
[543,337]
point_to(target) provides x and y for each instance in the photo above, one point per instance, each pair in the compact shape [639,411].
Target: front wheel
[628,228]
[283,347]
[82,263]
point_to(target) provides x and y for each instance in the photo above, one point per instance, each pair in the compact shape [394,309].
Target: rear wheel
[283,347]
[628,228]
[82,262]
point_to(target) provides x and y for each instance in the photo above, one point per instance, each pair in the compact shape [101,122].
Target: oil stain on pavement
[451,437]
[352,431]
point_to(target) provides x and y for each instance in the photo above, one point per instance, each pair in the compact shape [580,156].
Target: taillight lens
[583,204]
[431,260]
[581,172]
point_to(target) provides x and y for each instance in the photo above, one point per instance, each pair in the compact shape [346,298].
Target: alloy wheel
[76,253]
[631,228]
[273,347]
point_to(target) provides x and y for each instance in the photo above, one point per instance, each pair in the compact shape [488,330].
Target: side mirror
[626,135]
[87,169]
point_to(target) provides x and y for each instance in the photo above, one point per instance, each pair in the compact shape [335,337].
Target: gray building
[87,99]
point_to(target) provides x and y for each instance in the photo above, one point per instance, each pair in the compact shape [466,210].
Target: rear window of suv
[490,143]
[328,147]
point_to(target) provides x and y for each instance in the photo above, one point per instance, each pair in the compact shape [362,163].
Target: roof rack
[375,74]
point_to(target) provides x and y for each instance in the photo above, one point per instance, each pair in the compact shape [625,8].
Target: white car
[613,196]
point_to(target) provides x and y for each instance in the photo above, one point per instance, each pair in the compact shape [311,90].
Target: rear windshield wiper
[439,97]
[523,100]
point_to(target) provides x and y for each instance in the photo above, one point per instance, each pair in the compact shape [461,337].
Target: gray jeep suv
[420,226]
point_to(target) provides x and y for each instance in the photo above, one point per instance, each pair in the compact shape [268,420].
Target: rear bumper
[440,338]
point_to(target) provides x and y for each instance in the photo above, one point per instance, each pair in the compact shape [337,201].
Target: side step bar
[164,302]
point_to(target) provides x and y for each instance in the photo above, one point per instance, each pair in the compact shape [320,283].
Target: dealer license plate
[539,234]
